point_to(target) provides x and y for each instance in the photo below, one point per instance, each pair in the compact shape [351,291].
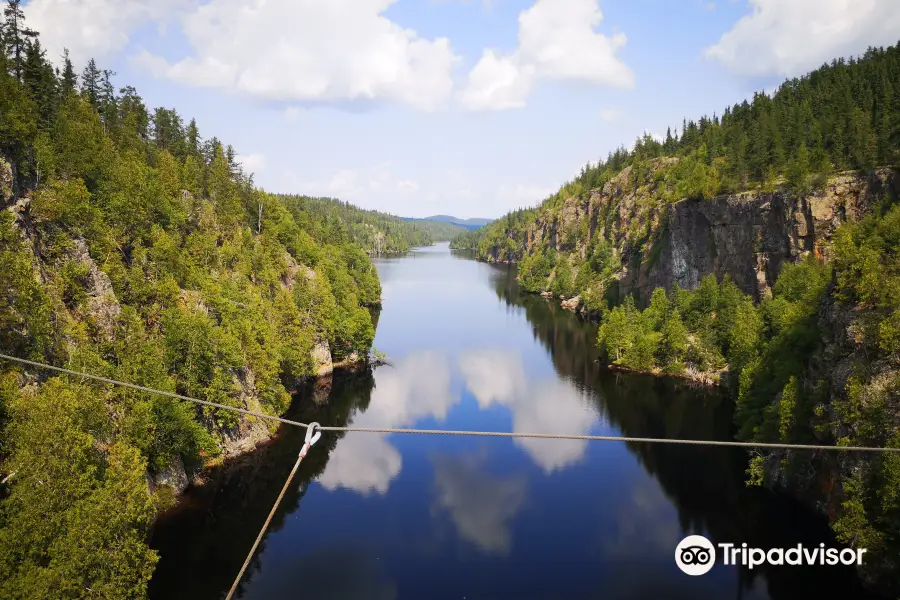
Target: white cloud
[414,388]
[549,406]
[610,115]
[481,505]
[310,51]
[498,83]
[253,162]
[789,38]
[557,40]
[93,28]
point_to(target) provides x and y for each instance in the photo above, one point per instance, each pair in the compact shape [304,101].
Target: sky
[463,107]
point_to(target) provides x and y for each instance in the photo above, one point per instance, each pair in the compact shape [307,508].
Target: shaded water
[399,516]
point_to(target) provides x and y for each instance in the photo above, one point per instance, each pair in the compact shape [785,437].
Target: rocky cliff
[747,236]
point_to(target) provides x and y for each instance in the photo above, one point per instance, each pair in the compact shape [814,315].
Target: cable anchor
[313,433]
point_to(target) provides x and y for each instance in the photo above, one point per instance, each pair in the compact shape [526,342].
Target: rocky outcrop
[102,306]
[746,236]
[249,431]
[321,356]
[7,181]
[173,476]
[572,304]
[750,237]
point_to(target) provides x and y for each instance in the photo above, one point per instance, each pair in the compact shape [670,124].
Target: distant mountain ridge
[474,223]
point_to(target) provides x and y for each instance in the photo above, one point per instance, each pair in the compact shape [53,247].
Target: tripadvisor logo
[696,555]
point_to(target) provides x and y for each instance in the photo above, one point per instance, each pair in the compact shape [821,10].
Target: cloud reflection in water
[548,406]
[480,504]
[416,387]
[419,387]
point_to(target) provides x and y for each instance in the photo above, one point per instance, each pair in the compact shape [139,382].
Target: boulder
[572,303]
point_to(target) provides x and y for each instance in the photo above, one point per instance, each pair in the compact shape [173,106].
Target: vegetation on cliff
[812,353]
[132,249]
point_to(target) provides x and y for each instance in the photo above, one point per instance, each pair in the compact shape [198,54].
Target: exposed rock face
[7,181]
[102,304]
[173,476]
[747,236]
[750,238]
[321,355]
[250,431]
[572,303]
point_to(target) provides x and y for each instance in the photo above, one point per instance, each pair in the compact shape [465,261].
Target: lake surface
[376,516]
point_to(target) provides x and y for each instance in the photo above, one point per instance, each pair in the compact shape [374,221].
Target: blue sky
[466,107]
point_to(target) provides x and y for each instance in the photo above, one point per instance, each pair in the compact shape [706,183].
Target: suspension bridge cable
[310,440]
[506,434]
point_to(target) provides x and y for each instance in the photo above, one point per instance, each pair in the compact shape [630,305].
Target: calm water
[374,516]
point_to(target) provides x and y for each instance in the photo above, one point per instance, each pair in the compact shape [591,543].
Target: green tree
[673,344]
[91,83]
[798,175]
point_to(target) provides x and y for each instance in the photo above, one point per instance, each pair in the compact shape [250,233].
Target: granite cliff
[747,236]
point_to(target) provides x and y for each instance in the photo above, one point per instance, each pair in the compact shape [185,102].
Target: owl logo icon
[695,555]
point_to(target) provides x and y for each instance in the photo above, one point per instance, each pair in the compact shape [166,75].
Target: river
[375,516]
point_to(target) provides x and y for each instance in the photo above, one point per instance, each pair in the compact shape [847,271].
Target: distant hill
[467,223]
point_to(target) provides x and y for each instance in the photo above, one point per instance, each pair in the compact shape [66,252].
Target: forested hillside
[373,231]
[133,249]
[762,246]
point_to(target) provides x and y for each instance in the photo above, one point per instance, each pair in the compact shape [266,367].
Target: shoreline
[307,393]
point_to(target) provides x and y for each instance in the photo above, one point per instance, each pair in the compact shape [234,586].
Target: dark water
[375,516]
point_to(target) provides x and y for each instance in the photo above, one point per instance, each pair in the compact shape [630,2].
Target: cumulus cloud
[480,504]
[415,388]
[789,38]
[309,51]
[94,28]
[557,40]
[551,406]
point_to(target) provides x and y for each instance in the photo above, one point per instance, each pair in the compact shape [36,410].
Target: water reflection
[702,489]
[205,540]
[344,572]
[480,504]
[445,517]
[413,388]
[547,406]
[645,523]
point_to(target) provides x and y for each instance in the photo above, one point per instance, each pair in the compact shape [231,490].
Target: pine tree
[68,80]
[193,141]
[107,101]
[41,83]
[863,143]
[16,36]
[133,116]
[91,84]
[798,172]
